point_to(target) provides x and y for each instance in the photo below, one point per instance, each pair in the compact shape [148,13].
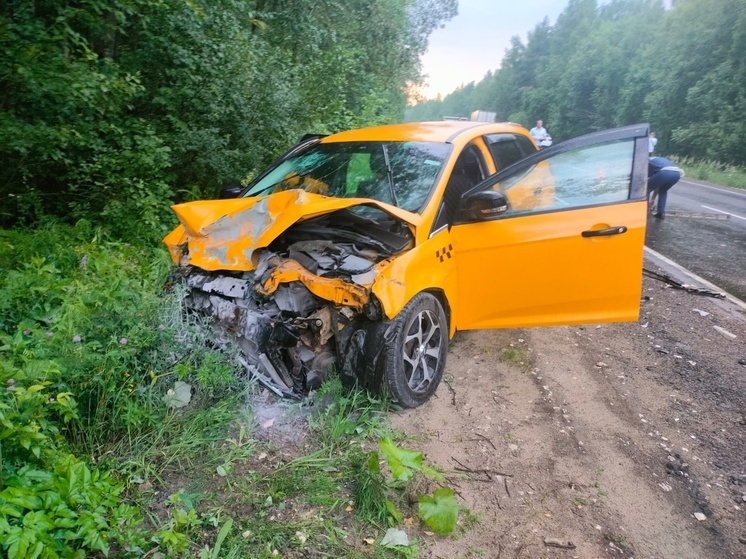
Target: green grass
[713,171]
[320,500]
[184,441]
[313,501]
[515,356]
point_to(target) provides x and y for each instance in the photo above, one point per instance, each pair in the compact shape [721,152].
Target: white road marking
[723,212]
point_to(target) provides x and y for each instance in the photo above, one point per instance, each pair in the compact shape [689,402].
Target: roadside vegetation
[126,432]
[111,109]
[712,171]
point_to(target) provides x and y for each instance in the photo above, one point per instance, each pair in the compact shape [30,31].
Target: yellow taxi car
[365,251]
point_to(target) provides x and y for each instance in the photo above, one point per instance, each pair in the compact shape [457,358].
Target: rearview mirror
[483,205]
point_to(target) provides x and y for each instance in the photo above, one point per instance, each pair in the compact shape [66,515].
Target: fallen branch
[486,439]
[453,392]
[556,542]
[486,471]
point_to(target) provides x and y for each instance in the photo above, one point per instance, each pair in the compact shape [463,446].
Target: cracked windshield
[398,173]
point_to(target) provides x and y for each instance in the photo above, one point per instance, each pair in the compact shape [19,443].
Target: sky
[474,42]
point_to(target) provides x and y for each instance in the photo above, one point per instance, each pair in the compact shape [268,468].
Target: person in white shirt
[540,135]
[652,141]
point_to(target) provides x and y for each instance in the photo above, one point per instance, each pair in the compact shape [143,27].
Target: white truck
[483,116]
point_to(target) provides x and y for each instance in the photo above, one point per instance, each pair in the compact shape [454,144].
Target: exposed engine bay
[306,308]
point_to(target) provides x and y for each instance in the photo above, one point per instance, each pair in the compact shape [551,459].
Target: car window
[361,169]
[587,176]
[506,149]
[468,171]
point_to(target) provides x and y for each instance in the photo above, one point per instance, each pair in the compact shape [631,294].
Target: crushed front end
[303,307]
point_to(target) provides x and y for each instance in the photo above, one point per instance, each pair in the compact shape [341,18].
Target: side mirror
[231,191]
[483,205]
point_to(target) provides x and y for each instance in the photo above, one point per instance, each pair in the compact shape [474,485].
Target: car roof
[442,131]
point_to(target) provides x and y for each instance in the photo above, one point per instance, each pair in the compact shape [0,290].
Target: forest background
[610,64]
[113,110]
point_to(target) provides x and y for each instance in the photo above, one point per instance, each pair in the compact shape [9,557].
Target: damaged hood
[223,234]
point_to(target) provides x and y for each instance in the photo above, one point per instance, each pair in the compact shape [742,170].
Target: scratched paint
[224,234]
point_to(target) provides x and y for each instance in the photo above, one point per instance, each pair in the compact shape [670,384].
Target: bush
[50,500]
[713,171]
[91,340]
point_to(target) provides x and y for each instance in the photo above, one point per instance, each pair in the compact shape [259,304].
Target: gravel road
[613,440]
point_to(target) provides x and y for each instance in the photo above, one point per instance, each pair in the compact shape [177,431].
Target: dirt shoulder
[613,438]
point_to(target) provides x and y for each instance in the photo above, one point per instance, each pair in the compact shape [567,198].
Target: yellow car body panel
[539,270]
[429,266]
[522,271]
[441,131]
[337,291]
[223,234]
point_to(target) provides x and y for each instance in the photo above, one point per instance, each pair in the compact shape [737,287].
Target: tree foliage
[614,63]
[112,109]
[70,137]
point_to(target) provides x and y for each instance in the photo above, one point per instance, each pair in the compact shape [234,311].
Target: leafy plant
[439,510]
[174,536]
[50,500]
[403,462]
[84,365]
[117,338]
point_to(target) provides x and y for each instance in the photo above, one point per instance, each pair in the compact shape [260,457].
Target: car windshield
[398,173]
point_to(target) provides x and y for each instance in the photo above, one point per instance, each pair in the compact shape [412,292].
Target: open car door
[556,238]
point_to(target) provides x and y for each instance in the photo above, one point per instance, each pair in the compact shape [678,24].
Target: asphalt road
[705,231]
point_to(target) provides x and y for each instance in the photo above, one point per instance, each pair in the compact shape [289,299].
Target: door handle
[605,232]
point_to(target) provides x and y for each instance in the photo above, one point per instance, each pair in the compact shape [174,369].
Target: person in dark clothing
[662,175]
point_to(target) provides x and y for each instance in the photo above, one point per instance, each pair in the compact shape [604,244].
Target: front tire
[416,354]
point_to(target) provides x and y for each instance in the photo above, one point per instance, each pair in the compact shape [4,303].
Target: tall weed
[49,499]
[102,310]
[714,171]
[91,340]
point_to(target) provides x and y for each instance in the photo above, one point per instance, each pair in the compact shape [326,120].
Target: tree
[113,109]
[628,61]
[70,142]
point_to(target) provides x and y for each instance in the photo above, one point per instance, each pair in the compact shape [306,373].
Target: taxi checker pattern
[444,253]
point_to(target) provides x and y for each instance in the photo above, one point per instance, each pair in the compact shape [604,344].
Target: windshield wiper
[389,174]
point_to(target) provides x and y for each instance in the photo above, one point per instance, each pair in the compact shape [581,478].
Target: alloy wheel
[421,351]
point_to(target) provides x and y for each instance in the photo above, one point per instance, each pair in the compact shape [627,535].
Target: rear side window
[506,149]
